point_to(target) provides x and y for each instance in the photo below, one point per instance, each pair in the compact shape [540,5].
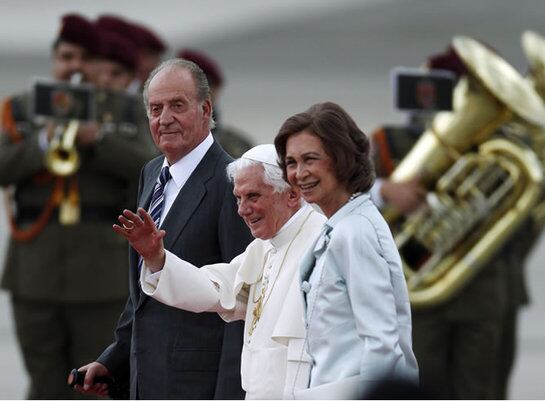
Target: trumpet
[62,158]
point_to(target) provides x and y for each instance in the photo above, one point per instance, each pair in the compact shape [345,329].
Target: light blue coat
[357,306]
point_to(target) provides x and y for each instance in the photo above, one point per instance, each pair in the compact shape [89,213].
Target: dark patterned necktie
[158,197]
[157,202]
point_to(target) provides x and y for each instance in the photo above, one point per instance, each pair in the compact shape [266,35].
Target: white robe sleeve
[183,285]
[220,287]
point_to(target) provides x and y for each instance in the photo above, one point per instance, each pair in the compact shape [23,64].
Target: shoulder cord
[28,234]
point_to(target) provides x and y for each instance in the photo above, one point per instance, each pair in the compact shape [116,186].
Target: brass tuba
[480,189]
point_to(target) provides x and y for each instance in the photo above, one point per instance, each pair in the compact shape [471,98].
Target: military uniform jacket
[86,261]
[175,354]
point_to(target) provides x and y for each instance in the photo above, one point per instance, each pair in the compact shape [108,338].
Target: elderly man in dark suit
[174,353]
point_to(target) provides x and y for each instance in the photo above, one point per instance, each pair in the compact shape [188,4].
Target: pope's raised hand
[144,236]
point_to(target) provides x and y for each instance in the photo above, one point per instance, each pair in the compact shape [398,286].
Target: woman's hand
[144,236]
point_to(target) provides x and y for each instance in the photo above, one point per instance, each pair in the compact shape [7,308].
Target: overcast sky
[29,25]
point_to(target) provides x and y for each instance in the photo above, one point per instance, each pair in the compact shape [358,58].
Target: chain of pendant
[259,302]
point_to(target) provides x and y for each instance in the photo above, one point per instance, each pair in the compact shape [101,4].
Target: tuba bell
[533,45]
[480,188]
[534,48]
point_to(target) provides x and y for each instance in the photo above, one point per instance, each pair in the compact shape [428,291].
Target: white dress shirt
[181,171]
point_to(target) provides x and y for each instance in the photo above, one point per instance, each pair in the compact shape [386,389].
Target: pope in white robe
[260,286]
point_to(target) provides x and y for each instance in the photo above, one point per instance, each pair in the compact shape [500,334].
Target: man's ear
[207,108]
[294,198]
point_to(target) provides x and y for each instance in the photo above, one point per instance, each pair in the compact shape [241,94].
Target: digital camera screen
[423,91]
[62,101]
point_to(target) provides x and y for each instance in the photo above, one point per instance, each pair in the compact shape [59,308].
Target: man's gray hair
[272,175]
[199,78]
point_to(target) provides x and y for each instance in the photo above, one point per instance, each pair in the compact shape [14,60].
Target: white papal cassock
[274,360]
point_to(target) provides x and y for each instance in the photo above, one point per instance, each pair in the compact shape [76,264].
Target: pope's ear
[294,197]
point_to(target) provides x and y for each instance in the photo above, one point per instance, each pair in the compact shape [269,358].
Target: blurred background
[278,58]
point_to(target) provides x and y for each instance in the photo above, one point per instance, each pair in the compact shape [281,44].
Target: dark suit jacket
[174,353]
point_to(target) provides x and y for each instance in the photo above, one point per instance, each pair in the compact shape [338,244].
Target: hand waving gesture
[144,236]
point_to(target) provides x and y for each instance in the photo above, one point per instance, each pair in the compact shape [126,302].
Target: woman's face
[310,169]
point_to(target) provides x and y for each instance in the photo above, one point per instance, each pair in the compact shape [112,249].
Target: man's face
[112,75]
[263,210]
[178,120]
[68,59]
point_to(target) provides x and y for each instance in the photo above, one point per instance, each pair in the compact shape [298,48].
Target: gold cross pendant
[257,314]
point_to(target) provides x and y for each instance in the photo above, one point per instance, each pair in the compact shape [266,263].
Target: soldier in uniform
[119,110]
[458,344]
[149,46]
[232,140]
[116,63]
[150,51]
[65,268]
[390,145]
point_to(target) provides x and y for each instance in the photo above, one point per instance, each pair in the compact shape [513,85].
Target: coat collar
[288,231]
[309,260]
[347,209]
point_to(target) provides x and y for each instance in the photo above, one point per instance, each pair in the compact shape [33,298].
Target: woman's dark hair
[341,138]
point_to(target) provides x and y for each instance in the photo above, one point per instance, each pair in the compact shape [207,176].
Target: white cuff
[149,280]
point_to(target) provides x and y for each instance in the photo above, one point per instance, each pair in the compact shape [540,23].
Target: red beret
[116,47]
[209,66]
[448,60]
[147,39]
[80,31]
[112,23]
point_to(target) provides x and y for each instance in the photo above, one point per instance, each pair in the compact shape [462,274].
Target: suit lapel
[307,264]
[308,261]
[143,201]
[187,201]
[149,185]
[190,197]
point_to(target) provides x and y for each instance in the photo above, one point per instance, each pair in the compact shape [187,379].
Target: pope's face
[263,210]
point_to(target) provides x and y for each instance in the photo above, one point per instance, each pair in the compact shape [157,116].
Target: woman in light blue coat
[357,306]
